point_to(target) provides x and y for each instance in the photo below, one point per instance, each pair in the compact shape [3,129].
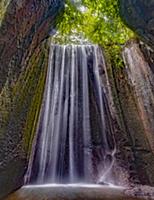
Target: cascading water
[75,140]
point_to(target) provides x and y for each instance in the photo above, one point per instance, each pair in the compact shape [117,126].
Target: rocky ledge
[81,193]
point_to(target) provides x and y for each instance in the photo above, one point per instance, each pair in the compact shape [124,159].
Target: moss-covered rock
[23,66]
[18,120]
[3,7]
[24,26]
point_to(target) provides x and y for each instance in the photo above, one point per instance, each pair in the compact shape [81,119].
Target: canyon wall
[25,26]
[133,94]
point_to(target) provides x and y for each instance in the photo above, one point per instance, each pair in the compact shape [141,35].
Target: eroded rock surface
[25,25]
[133,93]
[23,65]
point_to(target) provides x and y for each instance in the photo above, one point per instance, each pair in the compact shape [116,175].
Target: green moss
[21,101]
[33,114]
[28,92]
[5,104]
[3,6]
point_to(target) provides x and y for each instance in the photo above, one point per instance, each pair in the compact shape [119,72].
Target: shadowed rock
[24,26]
[23,64]
[139,16]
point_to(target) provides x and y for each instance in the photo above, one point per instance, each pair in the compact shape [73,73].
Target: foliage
[96,21]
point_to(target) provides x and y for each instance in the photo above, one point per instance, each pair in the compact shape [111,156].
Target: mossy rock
[24,29]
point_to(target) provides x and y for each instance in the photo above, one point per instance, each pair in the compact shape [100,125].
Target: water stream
[74,140]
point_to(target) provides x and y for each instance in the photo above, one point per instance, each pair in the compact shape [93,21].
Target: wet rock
[133,94]
[103,183]
[141,78]
[141,191]
[23,64]
[74,193]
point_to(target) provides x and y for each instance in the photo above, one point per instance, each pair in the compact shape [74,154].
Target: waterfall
[75,138]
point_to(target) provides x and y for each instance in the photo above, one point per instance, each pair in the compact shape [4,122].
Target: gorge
[76,100]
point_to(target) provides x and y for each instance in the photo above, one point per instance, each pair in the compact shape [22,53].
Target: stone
[139,16]
[133,94]
[77,193]
[24,51]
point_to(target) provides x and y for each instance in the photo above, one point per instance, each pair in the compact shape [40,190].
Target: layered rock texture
[139,16]
[133,94]
[23,63]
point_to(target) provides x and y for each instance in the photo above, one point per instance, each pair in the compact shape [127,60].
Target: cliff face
[133,94]
[141,78]
[24,26]
[139,16]
[134,88]
[23,65]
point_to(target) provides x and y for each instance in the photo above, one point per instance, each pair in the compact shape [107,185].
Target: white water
[75,141]
[79,185]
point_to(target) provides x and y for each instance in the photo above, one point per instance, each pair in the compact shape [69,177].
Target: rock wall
[141,77]
[24,26]
[23,65]
[139,16]
[133,95]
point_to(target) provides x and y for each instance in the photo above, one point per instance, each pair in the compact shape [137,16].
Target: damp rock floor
[82,193]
